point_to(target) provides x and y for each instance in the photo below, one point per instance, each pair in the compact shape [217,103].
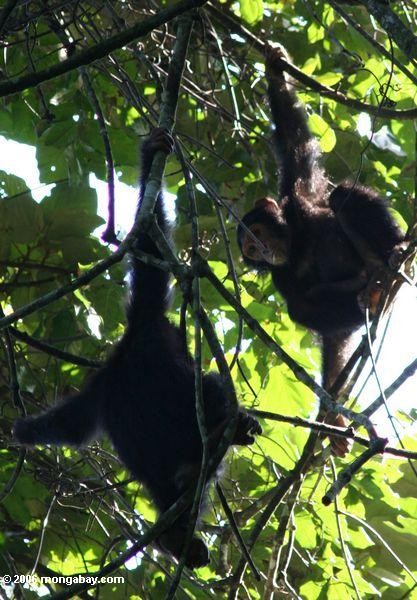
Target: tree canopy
[83,82]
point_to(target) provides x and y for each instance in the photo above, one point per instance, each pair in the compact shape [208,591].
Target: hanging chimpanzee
[144,397]
[322,245]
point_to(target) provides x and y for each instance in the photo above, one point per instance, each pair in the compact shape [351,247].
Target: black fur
[334,241]
[143,398]
[331,242]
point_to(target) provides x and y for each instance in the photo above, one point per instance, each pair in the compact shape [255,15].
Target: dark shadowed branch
[278,499]
[408,372]
[78,282]
[99,50]
[153,186]
[372,41]
[109,235]
[163,522]
[153,532]
[280,491]
[236,532]
[6,12]
[17,402]
[298,371]
[377,446]
[15,475]
[13,378]
[145,219]
[381,111]
[277,559]
[53,350]
[394,26]
[331,430]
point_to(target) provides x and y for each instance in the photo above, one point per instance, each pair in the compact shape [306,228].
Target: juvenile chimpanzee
[144,397]
[321,246]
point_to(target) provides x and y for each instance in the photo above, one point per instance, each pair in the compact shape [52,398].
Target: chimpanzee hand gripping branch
[322,246]
[144,397]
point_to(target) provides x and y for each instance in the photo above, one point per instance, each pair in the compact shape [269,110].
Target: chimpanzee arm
[366,221]
[73,422]
[327,311]
[353,284]
[297,149]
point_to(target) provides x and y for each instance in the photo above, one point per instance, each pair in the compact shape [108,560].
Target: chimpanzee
[144,397]
[322,246]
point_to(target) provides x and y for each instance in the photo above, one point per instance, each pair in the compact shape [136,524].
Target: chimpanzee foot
[172,542]
[371,295]
[246,429]
[159,139]
[340,446]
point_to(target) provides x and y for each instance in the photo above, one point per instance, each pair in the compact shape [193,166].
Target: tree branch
[6,12]
[53,351]
[153,185]
[372,41]
[292,479]
[109,235]
[395,385]
[299,372]
[395,28]
[13,378]
[380,111]
[86,277]
[100,50]
[236,532]
[377,446]
[333,430]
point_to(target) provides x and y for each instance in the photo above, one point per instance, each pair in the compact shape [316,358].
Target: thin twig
[76,283]
[331,430]
[274,566]
[13,378]
[378,47]
[226,20]
[376,446]
[346,556]
[15,475]
[54,351]
[275,499]
[234,528]
[6,12]
[408,372]
[100,50]
[394,26]
[109,235]
[298,371]
[374,533]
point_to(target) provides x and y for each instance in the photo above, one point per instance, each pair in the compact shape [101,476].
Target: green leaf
[325,134]
[251,10]
[21,219]
[315,33]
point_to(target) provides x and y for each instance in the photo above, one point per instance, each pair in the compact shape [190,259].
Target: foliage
[70,511]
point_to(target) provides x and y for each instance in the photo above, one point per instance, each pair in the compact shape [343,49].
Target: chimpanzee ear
[266,203]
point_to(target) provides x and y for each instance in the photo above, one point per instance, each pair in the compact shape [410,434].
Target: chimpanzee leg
[365,219]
